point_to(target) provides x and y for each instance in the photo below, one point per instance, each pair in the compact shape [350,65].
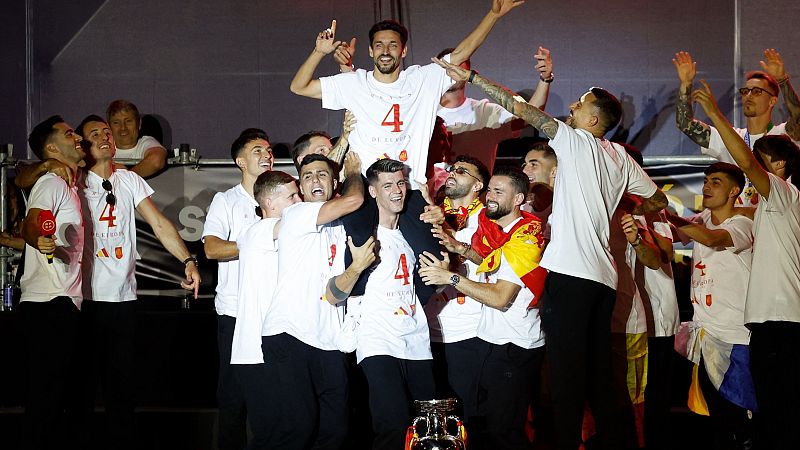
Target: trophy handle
[461,429]
[411,437]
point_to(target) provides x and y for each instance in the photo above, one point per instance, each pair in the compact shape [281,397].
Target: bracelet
[638,241]
[784,79]
[472,74]
[190,259]
[466,248]
[550,79]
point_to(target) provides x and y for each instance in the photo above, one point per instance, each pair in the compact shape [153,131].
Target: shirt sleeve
[300,219]
[639,183]
[716,147]
[149,142]
[782,193]
[436,77]
[740,228]
[217,223]
[47,194]
[566,140]
[492,115]
[140,189]
[506,273]
[334,89]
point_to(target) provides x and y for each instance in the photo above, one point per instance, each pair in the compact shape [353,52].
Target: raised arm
[654,203]
[504,97]
[352,193]
[736,146]
[696,130]
[337,152]
[774,66]
[544,65]
[467,47]
[699,233]
[304,82]
[27,174]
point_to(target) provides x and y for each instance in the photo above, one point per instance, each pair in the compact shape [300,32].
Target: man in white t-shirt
[396,111]
[592,176]
[452,316]
[478,126]
[392,337]
[507,247]
[307,371]
[110,199]
[540,165]
[759,97]
[718,341]
[772,310]
[320,142]
[258,276]
[51,285]
[230,214]
[123,116]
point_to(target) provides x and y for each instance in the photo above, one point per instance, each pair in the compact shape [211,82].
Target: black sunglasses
[111,199]
[461,171]
[755,91]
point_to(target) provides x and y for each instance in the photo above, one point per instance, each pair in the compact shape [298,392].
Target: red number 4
[402,270]
[395,112]
[110,217]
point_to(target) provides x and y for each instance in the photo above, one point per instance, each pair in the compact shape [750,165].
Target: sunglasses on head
[111,199]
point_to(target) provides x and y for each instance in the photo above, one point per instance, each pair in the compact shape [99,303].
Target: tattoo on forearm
[338,151]
[793,105]
[505,98]
[697,131]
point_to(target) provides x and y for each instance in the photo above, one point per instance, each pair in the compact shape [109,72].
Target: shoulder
[146,142]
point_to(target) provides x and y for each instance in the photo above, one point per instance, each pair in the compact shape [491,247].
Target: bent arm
[155,159]
[510,101]
[350,200]
[220,249]
[694,129]
[500,295]
[652,204]
[303,82]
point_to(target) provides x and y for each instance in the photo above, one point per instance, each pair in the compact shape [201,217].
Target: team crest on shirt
[118,252]
[333,255]
[403,156]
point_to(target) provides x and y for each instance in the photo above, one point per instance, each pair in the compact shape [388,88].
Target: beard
[498,213]
[386,69]
[456,191]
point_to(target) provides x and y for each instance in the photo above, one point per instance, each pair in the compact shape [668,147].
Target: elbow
[353,203]
[296,88]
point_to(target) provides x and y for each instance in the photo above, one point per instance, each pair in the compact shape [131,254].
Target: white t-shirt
[395,120]
[774,290]
[258,276]
[717,150]
[231,213]
[41,281]
[629,315]
[453,316]
[392,322]
[110,249]
[310,255]
[659,286]
[518,325]
[477,127]
[138,150]
[591,178]
[719,280]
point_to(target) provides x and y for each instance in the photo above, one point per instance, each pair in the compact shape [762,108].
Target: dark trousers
[109,331]
[50,338]
[732,427]
[261,406]
[362,224]
[658,393]
[504,392]
[230,397]
[394,384]
[457,367]
[775,365]
[309,394]
[576,317]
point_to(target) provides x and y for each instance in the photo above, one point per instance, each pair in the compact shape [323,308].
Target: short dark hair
[390,25]
[255,131]
[548,151]
[314,157]
[483,171]
[771,82]
[41,134]
[519,181]
[610,108]
[380,166]
[782,148]
[734,173]
[268,182]
[633,152]
[448,51]
[303,142]
[87,119]
[122,105]
[244,139]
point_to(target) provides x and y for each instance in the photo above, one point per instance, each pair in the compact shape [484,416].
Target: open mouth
[105,146]
[450,182]
[317,192]
[492,206]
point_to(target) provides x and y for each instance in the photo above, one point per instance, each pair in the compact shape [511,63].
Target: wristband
[471,77]
[638,241]
[548,80]
[466,248]
[190,259]
[783,80]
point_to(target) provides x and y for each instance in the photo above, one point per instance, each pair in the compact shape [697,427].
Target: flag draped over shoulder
[522,247]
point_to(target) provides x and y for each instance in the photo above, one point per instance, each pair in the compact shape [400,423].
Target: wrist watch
[638,241]
[455,279]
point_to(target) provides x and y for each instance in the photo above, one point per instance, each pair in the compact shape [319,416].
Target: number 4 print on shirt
[108,216]
[394,111]
[402,270]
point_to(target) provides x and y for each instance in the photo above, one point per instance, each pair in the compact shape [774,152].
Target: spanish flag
[522,247]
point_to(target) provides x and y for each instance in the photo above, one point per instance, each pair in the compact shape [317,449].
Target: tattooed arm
[338,151]
[774,66]
[696,130]
[505,98]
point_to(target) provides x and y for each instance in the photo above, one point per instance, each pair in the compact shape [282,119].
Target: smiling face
[65,144]
[539,168]
[125,128]
[459,185]
[718,190]
[255,157]
[501,198]
[99,135]
[386,51]
[317,182]
[389,192]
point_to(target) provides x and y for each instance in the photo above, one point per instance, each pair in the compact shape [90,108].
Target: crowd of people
[445,273]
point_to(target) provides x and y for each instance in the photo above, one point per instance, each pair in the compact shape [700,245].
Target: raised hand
[348,124]
[457,73]
[447,240]
[344,54]
[502,7]
[326,42]
[352,165]
[544,64]
[705,98]
[363,256]
[434,271]
[773,64]
[686,68]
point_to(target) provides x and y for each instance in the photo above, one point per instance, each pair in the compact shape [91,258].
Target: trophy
[429,430]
